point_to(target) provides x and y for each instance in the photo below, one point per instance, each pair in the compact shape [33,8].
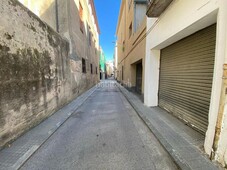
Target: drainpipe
[220,113]
[57,19]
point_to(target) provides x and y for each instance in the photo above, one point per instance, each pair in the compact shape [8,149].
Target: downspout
[220,113]
[57,19]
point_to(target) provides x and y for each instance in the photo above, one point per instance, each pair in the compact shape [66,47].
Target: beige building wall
[130,46]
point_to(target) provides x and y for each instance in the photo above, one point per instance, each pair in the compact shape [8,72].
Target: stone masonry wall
[36,75]
[69,27]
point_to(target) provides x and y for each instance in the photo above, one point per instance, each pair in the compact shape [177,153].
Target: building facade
[102,65]
[49,56]
[75,20]
[109,69]
[131,43]
[185,66]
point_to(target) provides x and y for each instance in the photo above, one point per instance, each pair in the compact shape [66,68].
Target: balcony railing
[156,7]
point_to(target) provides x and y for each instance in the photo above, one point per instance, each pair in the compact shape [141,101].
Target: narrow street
[104,133]
[123,85]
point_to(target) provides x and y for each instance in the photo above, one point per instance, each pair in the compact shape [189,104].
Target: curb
[165,145]
[58,126]
[33,148]
[179,161]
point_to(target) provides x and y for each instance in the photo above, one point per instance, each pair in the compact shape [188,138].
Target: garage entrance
[139,77]
[186,75]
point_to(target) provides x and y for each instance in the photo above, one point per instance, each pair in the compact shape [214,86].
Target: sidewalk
[182,142]
[24,147]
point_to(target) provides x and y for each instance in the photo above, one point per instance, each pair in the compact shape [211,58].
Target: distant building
[109,68]
[102,64]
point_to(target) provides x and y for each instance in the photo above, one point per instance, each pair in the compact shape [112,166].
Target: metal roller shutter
[186,76]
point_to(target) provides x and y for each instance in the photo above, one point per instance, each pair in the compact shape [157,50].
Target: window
[130,30]
[123,46]
[83,65]
[81,18]
[89,36]
[96,70]
[91,69]
[140,13]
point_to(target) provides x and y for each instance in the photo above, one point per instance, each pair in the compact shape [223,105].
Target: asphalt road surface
[105,133]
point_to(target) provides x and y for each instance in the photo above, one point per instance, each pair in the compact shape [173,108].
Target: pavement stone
[13,157]
[105,133]
[182,143]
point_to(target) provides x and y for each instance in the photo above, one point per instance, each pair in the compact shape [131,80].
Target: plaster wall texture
[179,20]
[38,74]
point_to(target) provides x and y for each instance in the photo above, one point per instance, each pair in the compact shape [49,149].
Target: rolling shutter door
[186,76]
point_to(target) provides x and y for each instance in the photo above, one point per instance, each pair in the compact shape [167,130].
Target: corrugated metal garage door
[186,76]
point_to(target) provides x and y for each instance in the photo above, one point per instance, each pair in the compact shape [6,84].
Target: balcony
[156,7]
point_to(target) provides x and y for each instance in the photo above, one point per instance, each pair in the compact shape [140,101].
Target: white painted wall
[181,19]
[221,155]
[152,64]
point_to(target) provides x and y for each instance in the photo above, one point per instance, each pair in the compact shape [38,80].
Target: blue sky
[107,13]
